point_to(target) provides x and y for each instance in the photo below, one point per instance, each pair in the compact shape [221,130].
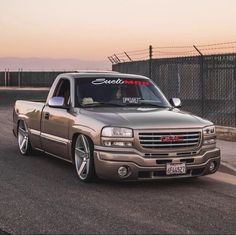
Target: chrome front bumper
[108,162]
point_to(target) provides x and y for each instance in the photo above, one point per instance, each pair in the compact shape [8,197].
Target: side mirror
[57,102]
[176,102]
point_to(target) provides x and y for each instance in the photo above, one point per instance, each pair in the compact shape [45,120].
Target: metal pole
[109,58]
[117,57]
[198,50]
[8,78]
[202,85]
[21,72]
[235,91]
[150,61]
[19,77]
[5,77]
[113,60]
[128,56]
[202,80]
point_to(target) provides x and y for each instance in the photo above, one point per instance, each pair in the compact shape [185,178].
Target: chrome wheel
[23,138]
[83,158]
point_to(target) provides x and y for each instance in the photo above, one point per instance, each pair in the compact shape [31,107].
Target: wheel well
[17,127]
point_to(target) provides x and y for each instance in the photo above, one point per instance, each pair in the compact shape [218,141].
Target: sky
[94,29]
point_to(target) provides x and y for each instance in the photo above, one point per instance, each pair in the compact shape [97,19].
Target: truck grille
[158,140]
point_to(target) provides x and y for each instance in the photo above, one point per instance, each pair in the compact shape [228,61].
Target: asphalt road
[40,194]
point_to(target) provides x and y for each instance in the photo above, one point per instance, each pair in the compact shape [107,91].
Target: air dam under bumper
[141,168]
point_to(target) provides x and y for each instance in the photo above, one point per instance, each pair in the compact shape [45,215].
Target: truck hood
[144,118]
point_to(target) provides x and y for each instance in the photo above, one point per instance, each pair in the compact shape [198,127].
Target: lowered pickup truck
[116,126]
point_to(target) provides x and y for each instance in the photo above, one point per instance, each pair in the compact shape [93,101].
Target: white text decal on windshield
[131,100]
[100,81]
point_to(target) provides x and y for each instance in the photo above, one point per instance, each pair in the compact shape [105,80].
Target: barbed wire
[172,47]
[141,58]
[217,48]
[173,51]
[216,44]
[143,53]
[137,51]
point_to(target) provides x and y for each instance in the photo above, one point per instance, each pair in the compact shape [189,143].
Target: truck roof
[94,73]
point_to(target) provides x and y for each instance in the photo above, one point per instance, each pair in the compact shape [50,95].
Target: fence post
[21,77]
[235,90]
[8,77]
[19,70]
[202,85]
[150,61]
[5,77]
[201,79]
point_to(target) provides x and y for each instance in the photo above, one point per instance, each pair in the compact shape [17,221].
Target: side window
[63,90]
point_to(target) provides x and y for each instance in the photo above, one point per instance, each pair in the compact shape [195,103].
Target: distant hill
[49,64]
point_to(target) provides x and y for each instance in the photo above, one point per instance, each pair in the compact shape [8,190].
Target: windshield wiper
[98,104]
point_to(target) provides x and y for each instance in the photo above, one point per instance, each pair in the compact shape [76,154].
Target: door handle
[46,115]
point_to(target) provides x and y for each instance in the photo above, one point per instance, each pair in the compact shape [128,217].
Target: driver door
[55,123]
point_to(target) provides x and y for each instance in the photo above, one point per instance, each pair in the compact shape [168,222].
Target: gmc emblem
[171,138]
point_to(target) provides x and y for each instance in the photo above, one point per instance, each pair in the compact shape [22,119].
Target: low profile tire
[23,139]
[84,161]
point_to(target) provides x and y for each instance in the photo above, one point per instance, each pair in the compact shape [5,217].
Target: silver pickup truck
[116,126]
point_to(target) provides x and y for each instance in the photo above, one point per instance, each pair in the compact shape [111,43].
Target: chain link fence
[28,79]
[205,84]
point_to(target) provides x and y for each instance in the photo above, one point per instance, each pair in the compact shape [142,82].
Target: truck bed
[30,112]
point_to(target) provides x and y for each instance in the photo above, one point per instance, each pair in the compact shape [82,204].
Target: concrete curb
[226,133]
[228,166]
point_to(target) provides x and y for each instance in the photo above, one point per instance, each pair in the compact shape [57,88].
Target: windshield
[93,92]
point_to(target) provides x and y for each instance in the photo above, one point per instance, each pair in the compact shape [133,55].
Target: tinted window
[119,91]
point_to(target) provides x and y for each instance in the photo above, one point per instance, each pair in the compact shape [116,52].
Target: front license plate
[175,168]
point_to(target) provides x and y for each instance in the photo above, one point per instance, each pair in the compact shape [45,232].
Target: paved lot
[40,194]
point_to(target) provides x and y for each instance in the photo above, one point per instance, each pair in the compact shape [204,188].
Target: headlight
[209,130]
[117,132]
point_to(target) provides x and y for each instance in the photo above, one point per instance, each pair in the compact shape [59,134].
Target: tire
[23,139]
[83,158]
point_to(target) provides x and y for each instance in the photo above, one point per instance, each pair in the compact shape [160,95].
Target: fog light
[210,141]
[212,166]
[122,144]
[123,171]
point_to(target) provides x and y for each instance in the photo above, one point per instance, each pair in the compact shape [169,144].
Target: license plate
[175,168]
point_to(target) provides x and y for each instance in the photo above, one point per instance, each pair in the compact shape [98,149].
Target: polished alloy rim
[82,156]
[23,137]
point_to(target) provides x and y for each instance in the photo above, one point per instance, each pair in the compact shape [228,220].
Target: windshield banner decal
[100,81]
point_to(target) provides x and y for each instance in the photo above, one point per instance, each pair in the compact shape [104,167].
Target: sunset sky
[94,29]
